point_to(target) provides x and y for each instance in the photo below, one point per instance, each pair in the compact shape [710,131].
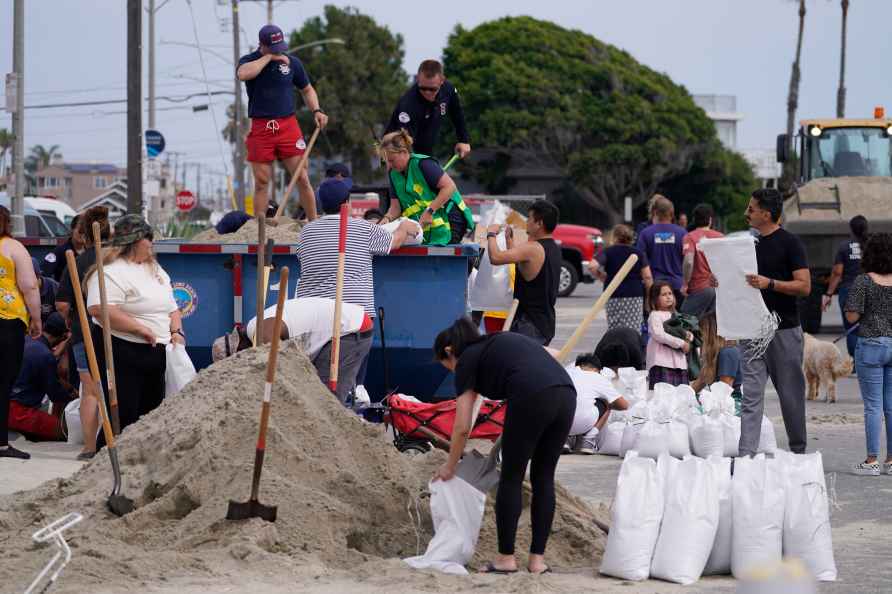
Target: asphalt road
[861,513]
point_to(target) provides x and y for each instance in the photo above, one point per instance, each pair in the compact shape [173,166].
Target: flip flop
[546,570]
[490,568]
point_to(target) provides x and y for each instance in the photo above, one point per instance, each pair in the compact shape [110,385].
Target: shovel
[253,508]
[300,167]
[117,503]
[106,333]
[339,296]
[264,285]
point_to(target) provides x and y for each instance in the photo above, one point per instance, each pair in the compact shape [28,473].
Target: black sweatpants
[12,346]
[536,428]
[139,375]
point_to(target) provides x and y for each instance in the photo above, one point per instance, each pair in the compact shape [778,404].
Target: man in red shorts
[269,75]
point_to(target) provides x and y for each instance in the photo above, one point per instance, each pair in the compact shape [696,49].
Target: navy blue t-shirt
[663,244]
[269,93]
[849,255]
[232,221]
[37,375]
[613,258]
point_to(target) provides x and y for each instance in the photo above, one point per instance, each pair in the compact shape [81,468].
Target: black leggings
[12,346]
[139,375]
[536,427]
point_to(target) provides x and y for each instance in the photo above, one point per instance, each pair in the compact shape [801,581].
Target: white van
[43,225]
[52,206]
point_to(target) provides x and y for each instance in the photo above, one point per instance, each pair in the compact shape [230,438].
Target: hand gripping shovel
[117,503]
[253,508]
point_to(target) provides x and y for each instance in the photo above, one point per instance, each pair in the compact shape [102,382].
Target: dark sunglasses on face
[428,89]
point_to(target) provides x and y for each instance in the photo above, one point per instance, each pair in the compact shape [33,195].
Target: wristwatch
[318,110]
[491,235]
[180,332]
[771,284]
[430,210]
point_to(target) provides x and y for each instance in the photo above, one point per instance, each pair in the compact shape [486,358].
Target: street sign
[154,143]
[185,200]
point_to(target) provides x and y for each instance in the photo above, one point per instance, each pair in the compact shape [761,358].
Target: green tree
[792,165]
[358,82]
[6,142]
[547,96]
[40,157]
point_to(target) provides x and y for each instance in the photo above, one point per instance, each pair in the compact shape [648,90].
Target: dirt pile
[287,231]
[343,492]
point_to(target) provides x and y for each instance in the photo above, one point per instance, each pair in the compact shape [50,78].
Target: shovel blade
[120,505]
[251,509]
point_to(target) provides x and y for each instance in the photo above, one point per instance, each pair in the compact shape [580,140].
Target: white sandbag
[684,394]
[653,439]
[630,438]
[757,513]
[179,371]
[73,421]
[730,435]
[456,511]
[767,438]
[611,439]
[663,391]
[807,518]
[635,520]
[679,444]
[415,239]
[719,562]
[690,522]
[707,437]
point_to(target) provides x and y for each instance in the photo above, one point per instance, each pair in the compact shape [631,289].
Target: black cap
[337,168]
[55,325]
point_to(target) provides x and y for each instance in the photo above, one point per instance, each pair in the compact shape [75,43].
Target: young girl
[719,359]
[666,361]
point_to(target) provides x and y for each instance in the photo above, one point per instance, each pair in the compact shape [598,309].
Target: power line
[115,101]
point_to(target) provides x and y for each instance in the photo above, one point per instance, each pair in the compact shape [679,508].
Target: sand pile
[286,232]
[343,491]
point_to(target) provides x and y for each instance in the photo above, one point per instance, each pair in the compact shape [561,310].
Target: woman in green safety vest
[423,192]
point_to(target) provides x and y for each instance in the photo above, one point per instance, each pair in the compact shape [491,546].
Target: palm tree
[841,92]
[41,157]
[793,98]
[6,142]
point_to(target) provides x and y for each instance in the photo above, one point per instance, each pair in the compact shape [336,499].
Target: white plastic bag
[635,520]
[758,514]
[767,439]
[730,435]
[180,369]
[653,440]
[611,439]
[456,511]
[417,239]
[719,562]
[73,421]
[690,522]
[490,288]
[807,519]
[679,439]
[629,441]
[707,437]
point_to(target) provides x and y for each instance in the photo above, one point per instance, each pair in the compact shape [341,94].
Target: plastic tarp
[759,495]
[690,522]
[807,519]
[457,512]
[635,520]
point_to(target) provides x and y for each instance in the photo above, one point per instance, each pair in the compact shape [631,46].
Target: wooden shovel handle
[300,167]
[511,313]
[106,331]
[277,327]
[88,345]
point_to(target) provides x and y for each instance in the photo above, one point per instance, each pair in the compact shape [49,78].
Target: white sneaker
[887,467]
[867,469]
[569,445]
[587,444]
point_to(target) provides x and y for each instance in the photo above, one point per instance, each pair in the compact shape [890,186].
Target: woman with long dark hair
[846,267]
[510,366]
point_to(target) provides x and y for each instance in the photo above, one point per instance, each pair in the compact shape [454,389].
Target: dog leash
[847,332]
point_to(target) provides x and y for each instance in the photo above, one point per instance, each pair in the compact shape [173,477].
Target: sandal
[546,570]
[84,456]
[490,568]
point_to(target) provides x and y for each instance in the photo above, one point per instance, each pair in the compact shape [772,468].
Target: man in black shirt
[421,109]
[783,276]
[538,271]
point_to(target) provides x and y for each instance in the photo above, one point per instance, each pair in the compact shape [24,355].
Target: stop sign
[185,200]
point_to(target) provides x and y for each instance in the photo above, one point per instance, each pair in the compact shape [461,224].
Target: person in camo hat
[143,316]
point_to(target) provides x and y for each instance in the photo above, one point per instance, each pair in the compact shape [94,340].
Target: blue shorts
[80,357]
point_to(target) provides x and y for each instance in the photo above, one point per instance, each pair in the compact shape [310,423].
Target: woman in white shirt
[143,316]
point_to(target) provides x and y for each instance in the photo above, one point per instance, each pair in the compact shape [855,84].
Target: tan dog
[822,363]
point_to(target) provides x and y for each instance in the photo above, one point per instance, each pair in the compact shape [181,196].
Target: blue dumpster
[421,289]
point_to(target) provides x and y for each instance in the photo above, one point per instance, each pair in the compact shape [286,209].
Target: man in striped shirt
[317,251]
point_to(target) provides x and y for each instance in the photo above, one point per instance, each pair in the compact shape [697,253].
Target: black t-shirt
[270,93]
[508,365]
[613,258]
[849,255]
[421,118]
[621,347]
[778,255]
[85,261]
[54,262]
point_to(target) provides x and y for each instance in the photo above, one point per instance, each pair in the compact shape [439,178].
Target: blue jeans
[873,362]
[852,337]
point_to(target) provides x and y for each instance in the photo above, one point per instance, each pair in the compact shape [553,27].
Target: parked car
[579,246]
[52,206]
[37,224]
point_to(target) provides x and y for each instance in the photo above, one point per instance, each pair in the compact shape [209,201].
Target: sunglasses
[428,89]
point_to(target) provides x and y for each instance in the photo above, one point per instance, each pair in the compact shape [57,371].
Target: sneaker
[569,445]
[867,469]
[11,452]
[887,467]
[587,444]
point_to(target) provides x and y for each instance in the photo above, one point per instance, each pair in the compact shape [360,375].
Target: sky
[76,51]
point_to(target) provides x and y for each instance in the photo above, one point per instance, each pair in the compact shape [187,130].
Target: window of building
[100,182]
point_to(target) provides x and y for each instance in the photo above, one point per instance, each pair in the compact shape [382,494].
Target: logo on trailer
[301,144]
[285,69]
[404,117]
[186,298]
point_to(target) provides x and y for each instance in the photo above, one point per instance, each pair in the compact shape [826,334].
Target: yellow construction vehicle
[845,169]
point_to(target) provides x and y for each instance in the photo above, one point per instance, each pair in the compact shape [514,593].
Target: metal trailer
[421,289]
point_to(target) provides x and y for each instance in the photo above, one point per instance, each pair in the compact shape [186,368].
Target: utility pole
[18,118]
[151,10]
[238,180]
[198,184]
[134,107]
[269,11]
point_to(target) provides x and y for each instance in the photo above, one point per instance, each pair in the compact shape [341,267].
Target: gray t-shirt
[873,302]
